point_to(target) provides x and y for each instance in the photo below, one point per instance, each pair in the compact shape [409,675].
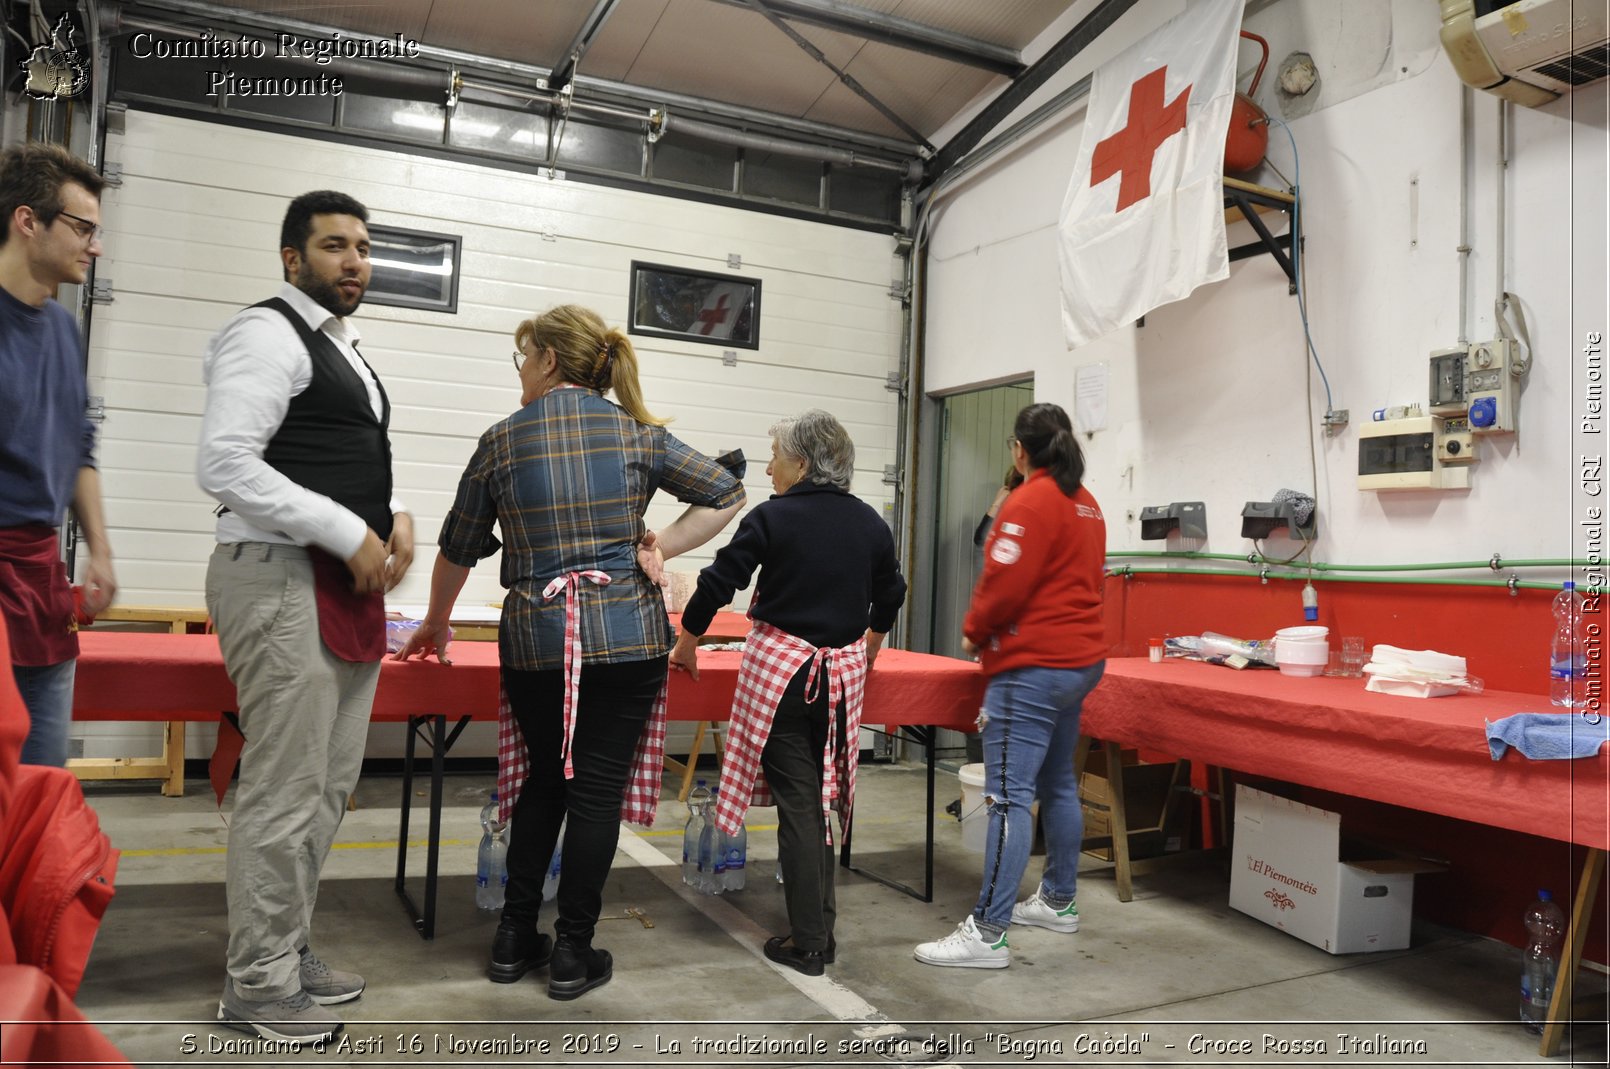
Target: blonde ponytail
[628,391]
[590,354]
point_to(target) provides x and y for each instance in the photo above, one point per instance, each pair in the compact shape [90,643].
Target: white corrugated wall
[192,237]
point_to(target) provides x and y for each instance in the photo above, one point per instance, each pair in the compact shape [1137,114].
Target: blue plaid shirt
[567,479]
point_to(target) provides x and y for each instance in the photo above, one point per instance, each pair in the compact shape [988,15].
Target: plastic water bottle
[550,883]
[708,852]
[491,861]
[1540,961]
[1567,657]
[737,856]
[715,868]
[692,832]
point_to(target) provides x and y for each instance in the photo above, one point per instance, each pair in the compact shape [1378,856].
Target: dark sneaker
[293,1019]
[325,985]
[516,950]
[781,949]
[575,970]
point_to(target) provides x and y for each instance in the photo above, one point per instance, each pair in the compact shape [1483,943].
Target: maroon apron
[36,598]
[352,625]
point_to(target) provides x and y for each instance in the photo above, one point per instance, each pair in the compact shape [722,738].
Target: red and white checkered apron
[641,796]
[771,658]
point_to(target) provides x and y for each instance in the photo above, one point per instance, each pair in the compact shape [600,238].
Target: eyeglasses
[1010,442]
[519,358]
[91,235]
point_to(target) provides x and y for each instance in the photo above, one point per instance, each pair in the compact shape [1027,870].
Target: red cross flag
[1143,221]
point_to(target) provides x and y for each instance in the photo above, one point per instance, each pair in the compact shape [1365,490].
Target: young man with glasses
[49,236]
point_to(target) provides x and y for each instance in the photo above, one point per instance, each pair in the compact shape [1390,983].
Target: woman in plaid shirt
[584,634]
[828,592]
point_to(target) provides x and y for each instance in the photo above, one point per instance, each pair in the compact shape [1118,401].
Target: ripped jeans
[1030,727]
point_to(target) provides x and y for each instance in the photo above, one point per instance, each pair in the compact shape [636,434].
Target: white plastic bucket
[975,814]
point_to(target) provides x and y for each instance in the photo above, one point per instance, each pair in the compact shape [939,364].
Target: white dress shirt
[252,368]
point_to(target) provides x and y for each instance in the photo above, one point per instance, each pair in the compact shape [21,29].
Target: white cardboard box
[1288,871]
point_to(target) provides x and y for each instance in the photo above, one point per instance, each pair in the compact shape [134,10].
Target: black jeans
[614,705]
[792,761]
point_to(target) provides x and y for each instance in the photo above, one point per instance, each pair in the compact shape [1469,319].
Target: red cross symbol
[1131,149]
[714,317]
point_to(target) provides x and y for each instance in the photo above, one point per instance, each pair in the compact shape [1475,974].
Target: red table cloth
[137,676]
[1428,754]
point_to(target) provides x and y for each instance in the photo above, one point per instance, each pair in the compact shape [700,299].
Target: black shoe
[516,950]
[779,948]
[575,970]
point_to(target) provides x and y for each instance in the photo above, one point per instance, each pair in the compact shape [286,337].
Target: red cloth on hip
[352,625]
[641,796]
[772,657]
[35,597]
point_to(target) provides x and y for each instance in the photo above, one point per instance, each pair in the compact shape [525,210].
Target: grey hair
[820,440]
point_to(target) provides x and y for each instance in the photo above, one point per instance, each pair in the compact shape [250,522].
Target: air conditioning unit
[1528,51]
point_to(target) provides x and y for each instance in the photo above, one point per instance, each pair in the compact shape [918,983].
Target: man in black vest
[294,447]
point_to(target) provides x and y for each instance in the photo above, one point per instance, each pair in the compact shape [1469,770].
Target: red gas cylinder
[1248,137]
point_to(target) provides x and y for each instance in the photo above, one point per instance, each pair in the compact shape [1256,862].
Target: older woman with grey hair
[827,594]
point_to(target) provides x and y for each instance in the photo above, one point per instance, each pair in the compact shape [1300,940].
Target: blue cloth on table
[1548,736]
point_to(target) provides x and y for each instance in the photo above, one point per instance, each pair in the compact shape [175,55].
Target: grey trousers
[305,715]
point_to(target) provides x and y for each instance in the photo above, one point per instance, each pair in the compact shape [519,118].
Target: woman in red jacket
[1035,623]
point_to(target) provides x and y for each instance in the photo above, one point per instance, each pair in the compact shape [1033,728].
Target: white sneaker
[1034,910]
[965,948]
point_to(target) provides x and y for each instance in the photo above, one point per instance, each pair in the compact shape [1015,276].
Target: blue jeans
[1031,727]
[47,691]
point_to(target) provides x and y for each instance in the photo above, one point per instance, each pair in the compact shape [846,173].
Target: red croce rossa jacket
[1038,601]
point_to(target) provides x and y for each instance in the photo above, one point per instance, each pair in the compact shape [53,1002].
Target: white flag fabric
[1143,221]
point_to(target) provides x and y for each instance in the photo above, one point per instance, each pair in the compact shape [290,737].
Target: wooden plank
[119,767]
[1565,982]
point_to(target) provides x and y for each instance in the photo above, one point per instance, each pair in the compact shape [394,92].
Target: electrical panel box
[1490,386]
[1456,445]
[1410,454]
[1447,392]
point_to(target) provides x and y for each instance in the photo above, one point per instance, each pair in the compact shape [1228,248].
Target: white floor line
[833,997]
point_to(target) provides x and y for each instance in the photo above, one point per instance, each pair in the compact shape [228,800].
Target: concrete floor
[1173,977]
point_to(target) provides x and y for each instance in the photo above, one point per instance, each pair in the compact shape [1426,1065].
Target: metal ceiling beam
[214,15]
[1075,41]
[902,33]
[764,8]
[571,56]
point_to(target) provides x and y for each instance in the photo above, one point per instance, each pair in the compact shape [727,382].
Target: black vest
[330,441]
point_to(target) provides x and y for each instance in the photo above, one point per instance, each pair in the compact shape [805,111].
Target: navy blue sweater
[45,436]
[827,568]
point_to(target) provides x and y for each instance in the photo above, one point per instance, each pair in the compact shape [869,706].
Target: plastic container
[1213,644]
[1567,654]
[737,859]
[1302,651]
[491,859]
[550,882]
[1154,650]
[1540,959]
[975,814]
[715,878]
[693,833]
